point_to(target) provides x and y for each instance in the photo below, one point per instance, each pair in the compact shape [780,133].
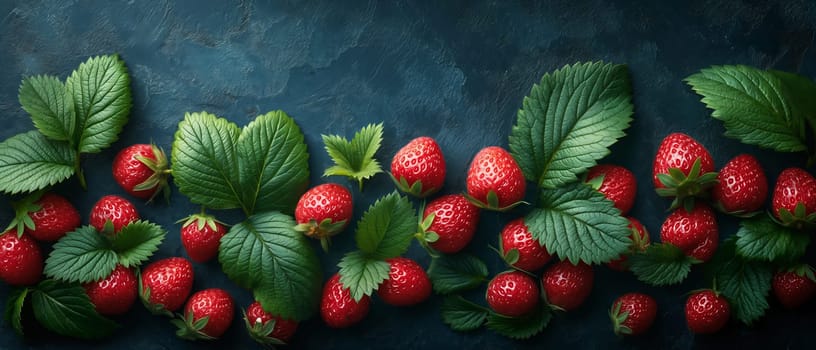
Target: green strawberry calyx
[144,296]
[189,328]
[798,219]
[686,188]
[161,172]
[424,236]
[261,332]
[492,202]
[415,189]
[618,318]
[22,213]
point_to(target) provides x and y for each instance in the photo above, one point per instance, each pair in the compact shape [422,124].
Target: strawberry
[337,308]
[683,168]
[115,294]
[616,183]
[407,283]
[707,312]
[201,236]
[794,287]
[454,222]
[114,210]
[794,197]
[142,170]
[46,217]
[21,260]
[512,293]
[324,211]
[640,241]
[695,232]
[531,254]
[207,315]
[566,286]
[633,313]
[418,168]
[165,284]
[742,186]
[494,180]
[266,328]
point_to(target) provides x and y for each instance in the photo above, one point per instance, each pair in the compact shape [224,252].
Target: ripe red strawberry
[115,294]
[418,168]
[324,211]
[707,312]
[201,236]
[407,283]
[21,260]
[633,313]
[494,180]
[794,197]
[215,305]
[694,232]
[165,284]
[794,287]
[693,172]
[531,254]
[266,328]
[640,241]
[114,209]
[47,217]
[512,293]
[742,186]
[142,170]
[454,222]
[616,183]
[337,308]
[566,286]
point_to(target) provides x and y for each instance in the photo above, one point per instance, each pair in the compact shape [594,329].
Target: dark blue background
[455,71]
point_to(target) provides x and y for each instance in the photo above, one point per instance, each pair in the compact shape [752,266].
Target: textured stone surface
[455,71]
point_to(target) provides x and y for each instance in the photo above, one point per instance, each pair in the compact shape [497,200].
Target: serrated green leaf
[456,273]
[799,91]
[746,284]
[205,161]
[273,164]
[137,242]
[362,274]
[579,224]
[761,238]
[66,310]
[522,327]
[264,253]
[661,264]
[51,108]
[30,162]
[355,159]
[752,105]
[569,120]
[14,309]
[81,256]
[100,89]
[462,315]
[387,227]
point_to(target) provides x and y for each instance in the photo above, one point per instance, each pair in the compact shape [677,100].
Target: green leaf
[266,254]
[66,310]
[205,163]
[569,120]
[30,162]
[137,242]
[799,91]
[355,159]
[761,238]
[362,274]
[273,164]
[462,315]
[746,284]
[100,88]
[387,227]
[81,256]
[661,264]
[14,309]
[456,273]
[51,108]
[579,224]
[522,327]
[753,106]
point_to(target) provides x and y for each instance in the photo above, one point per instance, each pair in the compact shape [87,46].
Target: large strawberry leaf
[387,227]
[522,327]
[14,309]
[661,264]
[761,238]
[65,309]
[137,242]
[362,274]
[355,159]
[745,284]
[463,315]
[456,273]
[50,106]
[81,256]
[569,120]
[30,162]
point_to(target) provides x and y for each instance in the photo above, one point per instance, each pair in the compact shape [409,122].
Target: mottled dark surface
[456,71]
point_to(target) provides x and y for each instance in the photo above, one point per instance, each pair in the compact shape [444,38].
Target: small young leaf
[81,256]
[761,238]
[662,264]
[51,108]
[66,310]
[387,228]
[30,162]
[362,274]
[462,315]
[522,327]
[137,242]
[355,159]
[746,284]
[456,273]
[14,309]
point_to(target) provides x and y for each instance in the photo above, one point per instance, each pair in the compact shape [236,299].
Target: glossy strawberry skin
[56,217]
[407,283]
[201,242]
[532,255]
[166,284]
[679,151]
[640,241]
[793,290]
[338,309]
[793,186]
[512,293]
[619,185]
[129,171]
[118,210]
[707,312]
[742,186]
[494,169]
[21,260]
[455,221]
[115,294]
[214,303]
[326,201]
[567,286]
[420,160]
[284,328]
[641,310]
[695,233]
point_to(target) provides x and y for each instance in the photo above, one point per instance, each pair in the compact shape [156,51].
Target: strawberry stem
[79,173]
